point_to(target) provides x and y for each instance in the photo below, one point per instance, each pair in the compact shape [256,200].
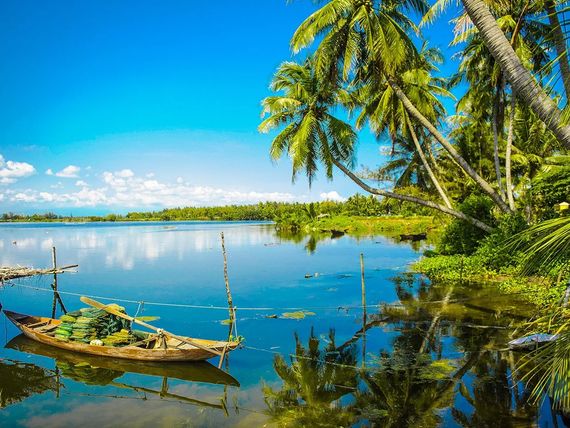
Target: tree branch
[413,199]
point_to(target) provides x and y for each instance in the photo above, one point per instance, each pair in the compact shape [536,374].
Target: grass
[376,225]
[540,291]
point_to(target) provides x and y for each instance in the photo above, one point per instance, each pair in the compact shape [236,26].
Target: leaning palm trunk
[426,165]
[486,187]
[527,89]
[508,177]
[559,44]
[496,111]
[419,201]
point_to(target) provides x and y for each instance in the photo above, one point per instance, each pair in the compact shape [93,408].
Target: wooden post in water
[363,286]
[56,297]
[229,295]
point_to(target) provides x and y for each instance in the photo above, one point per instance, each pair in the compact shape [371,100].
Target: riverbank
[391,225]
[544,292]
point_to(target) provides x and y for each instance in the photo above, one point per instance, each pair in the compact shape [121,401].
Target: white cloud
[125,173]
[28,196]
[332,196]
[125,190]
[70,171]
[180,180]
[81,183]
[11,171]
[49,171]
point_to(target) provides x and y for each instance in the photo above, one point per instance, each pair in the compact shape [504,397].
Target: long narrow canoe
[168,349]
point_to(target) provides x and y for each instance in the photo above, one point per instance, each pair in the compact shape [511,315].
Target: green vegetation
[501,168]
[281,212]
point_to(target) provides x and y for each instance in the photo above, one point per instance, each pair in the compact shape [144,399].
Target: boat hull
[183,351]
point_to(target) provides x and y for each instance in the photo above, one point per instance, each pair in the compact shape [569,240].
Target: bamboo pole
[229,296]
[363,286]
[227,281]
[56,296]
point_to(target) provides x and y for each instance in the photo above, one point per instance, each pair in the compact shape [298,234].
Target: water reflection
[313,385]
[432,354]
[312,239]
[101,371]
[446,366]
[19,380]
[128,246]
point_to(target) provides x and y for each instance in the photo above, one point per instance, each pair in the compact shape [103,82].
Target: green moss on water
[298,315]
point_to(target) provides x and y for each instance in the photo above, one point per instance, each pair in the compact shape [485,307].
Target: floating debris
[298,315]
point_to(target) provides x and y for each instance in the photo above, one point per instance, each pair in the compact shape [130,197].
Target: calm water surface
[426,355]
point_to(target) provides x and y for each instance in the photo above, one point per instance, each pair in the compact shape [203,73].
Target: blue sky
[111,106]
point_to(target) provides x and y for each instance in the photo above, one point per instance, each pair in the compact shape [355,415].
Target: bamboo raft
[8,273]
[156,347]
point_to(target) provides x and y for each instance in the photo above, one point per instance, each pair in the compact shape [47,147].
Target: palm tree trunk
[508,154]
[426,164]
[527,89]
[486,187]
[419,201]
[560,45]
[496,130]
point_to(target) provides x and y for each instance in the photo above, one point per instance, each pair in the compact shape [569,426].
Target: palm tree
[311,133]
[524,85]
[367,40]
[385,112]
[479,68]
[559,44]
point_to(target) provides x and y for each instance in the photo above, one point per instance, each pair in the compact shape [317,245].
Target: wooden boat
[199,371]
[153,348]
[413,237]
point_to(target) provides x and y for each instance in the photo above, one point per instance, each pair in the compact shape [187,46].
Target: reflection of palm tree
[491,397]
[313,385]
[19,381]
[405,392]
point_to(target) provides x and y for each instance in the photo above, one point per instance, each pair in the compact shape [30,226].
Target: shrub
[461,237]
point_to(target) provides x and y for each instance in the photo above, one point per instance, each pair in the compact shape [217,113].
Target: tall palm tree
[310,133]
[385,112]
[559,44]
[367,39]
[525,86]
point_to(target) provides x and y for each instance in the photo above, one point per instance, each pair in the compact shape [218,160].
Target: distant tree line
[356,205]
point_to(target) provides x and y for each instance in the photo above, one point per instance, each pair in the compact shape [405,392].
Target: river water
[425,355]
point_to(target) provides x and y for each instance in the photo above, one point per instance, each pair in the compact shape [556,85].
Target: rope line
[225,308]
[370,367]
